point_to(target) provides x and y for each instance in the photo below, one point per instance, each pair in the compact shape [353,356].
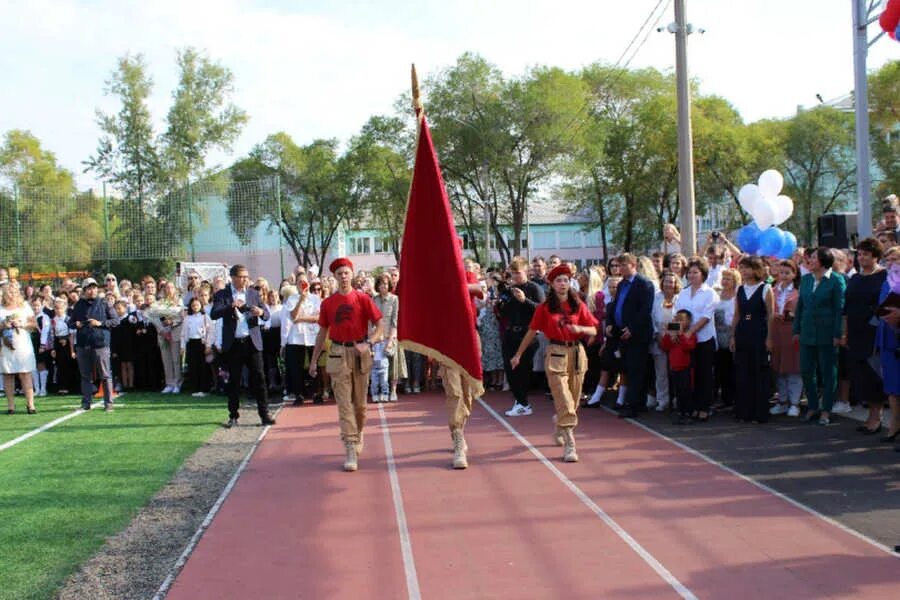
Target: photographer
[718,251]
[516,304]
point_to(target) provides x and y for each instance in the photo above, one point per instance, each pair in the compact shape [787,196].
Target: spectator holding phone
[678,343]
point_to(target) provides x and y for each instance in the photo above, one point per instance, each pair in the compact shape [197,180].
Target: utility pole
[685,137]
[861,21]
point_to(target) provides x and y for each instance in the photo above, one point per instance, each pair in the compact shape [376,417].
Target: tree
[201,117]
[884,126]
[820,172]
[45,222]
[127,153]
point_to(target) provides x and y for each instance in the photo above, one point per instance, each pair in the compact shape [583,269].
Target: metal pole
[685,141]
[19,256]
[106,228]
[190,210]
[861,105]
[278,217]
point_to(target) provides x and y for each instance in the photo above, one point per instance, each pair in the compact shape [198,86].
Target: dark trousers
[66,368]
[753,383]
[519,378]
[725,376]
[415,368]
[199,378]
[703,360]
[634,365]
[680,389]
[88,358]
[865,383]
[243,353]
[296,364]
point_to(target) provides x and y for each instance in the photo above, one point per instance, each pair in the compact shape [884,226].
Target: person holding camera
[516,304]
[678,343]
[240,307]
[565,320]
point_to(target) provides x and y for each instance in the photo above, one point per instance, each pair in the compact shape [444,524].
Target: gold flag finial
[417,102]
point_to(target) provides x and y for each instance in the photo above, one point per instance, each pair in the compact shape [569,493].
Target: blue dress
[886,342]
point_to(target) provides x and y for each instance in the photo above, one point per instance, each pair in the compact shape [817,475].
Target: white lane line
[648,558]
[179,564]
[409,563]
[40,429]
[760,485]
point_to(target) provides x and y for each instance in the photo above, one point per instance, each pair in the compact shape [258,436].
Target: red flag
[436,315]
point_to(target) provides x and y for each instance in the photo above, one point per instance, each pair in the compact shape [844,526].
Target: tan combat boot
[569,453]
[459,450]
[558,437]
[360,445]
[350,462]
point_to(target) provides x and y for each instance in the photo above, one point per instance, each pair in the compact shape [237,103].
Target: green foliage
[884,107]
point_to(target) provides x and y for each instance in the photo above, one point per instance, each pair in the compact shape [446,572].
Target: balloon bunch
[769,208]
[890,19]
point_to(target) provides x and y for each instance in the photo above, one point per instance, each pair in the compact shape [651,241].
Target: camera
[673,326]
[716,235]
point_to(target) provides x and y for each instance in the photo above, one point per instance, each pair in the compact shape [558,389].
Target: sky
[320,69]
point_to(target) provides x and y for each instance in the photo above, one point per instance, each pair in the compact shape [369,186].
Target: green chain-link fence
[42,229]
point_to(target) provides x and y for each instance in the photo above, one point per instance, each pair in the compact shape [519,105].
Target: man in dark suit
[240,308]
[631,321]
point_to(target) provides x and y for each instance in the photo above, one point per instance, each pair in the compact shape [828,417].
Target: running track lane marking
[409,563]
[179,564]
[648,558]
[42,428]
[758,484]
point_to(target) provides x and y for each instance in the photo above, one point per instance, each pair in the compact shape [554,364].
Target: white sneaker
[778,409]
[288,398]
[841,407]
[167,390]
[793,411]
[519,410]
[662,406]
[505,386]
[651,401]
[176,389]
[198,395]
[393,396]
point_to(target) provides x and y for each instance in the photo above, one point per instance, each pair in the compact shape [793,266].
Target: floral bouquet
[167,314]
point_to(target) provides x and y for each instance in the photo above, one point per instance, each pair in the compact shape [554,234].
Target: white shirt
[196,327]
[701,303]
[60,326]
[300,334]
[662,316]
[714,279]
[816,282]
[241,329]
[728,308]
[781,297]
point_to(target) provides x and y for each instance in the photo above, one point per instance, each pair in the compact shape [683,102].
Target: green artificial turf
[65,490]
[49,408]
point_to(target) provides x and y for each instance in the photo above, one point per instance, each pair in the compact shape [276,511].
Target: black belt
[564,343]
[242,340]
[348,344]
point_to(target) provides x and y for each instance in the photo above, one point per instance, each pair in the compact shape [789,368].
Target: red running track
[639,518]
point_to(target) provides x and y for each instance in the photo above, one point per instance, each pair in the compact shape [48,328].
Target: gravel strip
[134,562]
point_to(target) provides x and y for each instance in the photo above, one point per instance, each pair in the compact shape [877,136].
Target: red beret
[338,263]
[304,284]
[562,269]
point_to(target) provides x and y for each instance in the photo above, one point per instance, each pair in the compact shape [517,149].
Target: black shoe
[872,431]
[230,423]
[32,411]
[892,437]
[318,400]
[267,420]
[10,411]
[85,407]
[812,417]
[862,429]
[297,401]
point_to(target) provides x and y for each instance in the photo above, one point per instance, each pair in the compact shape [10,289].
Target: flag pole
[416,100]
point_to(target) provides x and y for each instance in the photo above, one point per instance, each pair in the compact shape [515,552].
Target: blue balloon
[748,238]
[770,241]
[789,246]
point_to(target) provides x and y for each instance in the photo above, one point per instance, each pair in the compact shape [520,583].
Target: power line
[639,31]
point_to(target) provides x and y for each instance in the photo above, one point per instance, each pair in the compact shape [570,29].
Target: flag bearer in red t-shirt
[344,318]
[564,319]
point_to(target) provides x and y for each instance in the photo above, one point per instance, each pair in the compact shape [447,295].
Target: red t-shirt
[554,324]
[679,350]
[348,316]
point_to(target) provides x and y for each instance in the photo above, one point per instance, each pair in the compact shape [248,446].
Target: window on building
[592,238]
[382,245]
[361,245]
[570,239]
[544,239]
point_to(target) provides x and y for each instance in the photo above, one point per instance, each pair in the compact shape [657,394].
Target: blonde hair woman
[671,243]
[16,350]
[167,316]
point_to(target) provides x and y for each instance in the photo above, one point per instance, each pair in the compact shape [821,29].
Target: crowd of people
[716,332]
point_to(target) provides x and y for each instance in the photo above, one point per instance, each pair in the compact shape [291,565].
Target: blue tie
[624,286]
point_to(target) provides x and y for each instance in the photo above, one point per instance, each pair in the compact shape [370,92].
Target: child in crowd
[124,339]
[679,347]
[63,347]
[785,351]
[40,339]
[378,380]
[610,357]
[196,341]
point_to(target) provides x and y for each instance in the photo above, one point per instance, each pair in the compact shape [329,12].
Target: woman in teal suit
[818,326]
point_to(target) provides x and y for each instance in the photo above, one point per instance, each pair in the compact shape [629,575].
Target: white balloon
[764,213]
[748,197]
[784,208]
[770,183]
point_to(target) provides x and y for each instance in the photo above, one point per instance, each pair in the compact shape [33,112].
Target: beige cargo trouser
[565,367]
[349,370]
[458,395]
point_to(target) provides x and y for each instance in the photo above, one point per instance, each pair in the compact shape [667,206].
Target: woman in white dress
[16,351]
